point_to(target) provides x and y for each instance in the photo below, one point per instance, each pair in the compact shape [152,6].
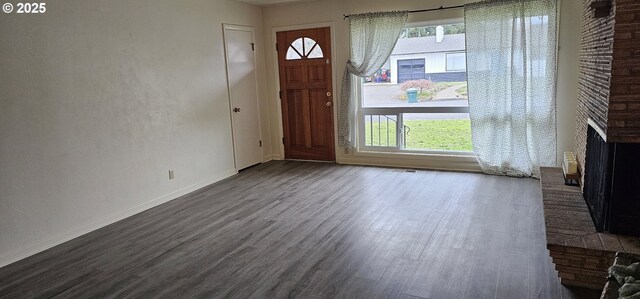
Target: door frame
[274,38]
[251,29]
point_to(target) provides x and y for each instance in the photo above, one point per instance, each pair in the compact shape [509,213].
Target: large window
[422,106]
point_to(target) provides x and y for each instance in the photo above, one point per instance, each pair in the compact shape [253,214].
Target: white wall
[99,99]
[436,63]
[332,11]
[568,70]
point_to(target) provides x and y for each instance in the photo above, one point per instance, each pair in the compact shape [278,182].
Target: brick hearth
[581,255]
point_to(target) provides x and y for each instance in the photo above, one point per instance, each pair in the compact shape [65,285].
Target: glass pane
[292,54]
[436,69]
[437,131]
[316,52]
[297,44]
[456,62]
[380,130]
[429,94]
[308,44]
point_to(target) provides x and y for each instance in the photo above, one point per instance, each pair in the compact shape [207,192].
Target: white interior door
[243,95]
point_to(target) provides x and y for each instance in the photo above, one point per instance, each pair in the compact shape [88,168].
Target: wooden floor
[314,230]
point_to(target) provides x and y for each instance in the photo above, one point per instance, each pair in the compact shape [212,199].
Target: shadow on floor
[575,292]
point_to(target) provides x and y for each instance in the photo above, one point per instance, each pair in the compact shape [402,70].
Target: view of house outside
[427,69]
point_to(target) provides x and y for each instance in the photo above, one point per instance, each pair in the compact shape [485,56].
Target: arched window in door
[304,47]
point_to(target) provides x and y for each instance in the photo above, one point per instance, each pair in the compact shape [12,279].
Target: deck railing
[384,129]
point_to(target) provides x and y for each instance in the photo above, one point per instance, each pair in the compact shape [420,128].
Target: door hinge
[260,143]
[253,46]
[276,47]
[282,140]
[280,94]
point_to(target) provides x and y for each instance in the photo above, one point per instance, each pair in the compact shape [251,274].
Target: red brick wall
[596,56]
[624,100]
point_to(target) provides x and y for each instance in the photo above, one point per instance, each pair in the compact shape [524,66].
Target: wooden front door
[304,61]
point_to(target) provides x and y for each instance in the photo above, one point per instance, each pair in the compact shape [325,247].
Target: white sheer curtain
[373,37]
[511,73]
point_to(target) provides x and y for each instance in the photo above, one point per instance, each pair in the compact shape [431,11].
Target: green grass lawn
[462,91]
[448,134]
[445,134]
[383,133]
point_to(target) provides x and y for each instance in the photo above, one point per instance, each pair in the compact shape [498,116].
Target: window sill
[452,161]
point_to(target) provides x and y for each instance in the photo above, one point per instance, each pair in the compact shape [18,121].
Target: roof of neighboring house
[427,44]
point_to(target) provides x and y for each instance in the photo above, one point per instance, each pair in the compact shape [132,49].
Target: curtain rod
[425,10]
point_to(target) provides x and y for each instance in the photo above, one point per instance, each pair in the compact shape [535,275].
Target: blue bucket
[412,95]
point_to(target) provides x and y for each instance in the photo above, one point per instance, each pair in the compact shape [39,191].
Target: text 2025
[31,8]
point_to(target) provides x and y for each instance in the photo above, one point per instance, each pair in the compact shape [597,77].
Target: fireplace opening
[597,172]
[612,184]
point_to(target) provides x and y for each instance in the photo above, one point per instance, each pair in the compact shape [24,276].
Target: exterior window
[304,47]
[456,62]
[418,101]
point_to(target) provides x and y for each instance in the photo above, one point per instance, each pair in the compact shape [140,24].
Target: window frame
[362,111]
[447,62]
[398,113]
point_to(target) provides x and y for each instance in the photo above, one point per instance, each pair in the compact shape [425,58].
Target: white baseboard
[273,157]
[268,158]
[34,248]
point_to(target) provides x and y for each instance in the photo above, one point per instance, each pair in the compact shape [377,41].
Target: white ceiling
[270,2]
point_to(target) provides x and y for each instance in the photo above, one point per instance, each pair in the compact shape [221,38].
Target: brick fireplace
[609,103]
[609,80]
[609,112]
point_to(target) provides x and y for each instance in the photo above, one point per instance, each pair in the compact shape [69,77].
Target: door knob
[328,104]
[236,110]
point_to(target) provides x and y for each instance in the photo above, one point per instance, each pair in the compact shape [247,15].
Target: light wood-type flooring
[313,230]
